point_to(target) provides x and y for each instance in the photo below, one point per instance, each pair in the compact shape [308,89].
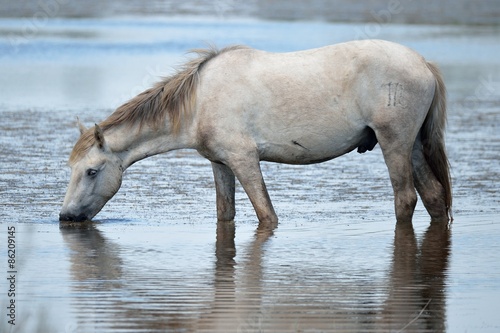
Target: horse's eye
[91,172]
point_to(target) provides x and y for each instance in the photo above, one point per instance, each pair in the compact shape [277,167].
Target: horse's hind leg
[397,149]
[224,187]
[429,188]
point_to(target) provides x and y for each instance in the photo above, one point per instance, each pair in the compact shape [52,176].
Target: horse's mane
[173,97]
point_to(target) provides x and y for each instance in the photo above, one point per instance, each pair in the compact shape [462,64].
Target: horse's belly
[309,148]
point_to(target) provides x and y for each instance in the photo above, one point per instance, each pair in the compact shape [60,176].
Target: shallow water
[155,259]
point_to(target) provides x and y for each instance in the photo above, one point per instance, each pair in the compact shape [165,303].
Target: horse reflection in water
[237,304]
[93,258]
[107,294]
[416,301]
[110,296]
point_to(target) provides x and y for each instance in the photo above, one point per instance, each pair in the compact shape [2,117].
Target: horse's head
[96,175]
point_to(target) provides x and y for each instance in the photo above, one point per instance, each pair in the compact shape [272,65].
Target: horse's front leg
[224,187]
[246,167]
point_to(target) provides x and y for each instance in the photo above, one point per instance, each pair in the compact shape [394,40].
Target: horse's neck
[136,143]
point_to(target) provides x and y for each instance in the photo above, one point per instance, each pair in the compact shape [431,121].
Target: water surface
[155,259]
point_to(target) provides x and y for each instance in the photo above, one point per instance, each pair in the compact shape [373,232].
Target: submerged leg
[246,167]
[224,187]
[397,154]
[429,188]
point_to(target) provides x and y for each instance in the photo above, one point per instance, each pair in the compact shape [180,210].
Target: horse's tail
[432,136]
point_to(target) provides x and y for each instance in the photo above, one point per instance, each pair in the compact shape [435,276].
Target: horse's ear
[99,137]
[81,126]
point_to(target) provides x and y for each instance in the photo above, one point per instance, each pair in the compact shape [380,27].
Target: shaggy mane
[171,98]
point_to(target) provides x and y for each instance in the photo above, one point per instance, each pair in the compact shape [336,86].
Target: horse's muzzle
[72,218]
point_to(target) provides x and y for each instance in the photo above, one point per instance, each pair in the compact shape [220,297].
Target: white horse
[239,106]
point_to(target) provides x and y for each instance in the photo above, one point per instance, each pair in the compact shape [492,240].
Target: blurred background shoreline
[443,12]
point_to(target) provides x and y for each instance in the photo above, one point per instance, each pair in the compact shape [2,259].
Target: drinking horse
[238,106]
